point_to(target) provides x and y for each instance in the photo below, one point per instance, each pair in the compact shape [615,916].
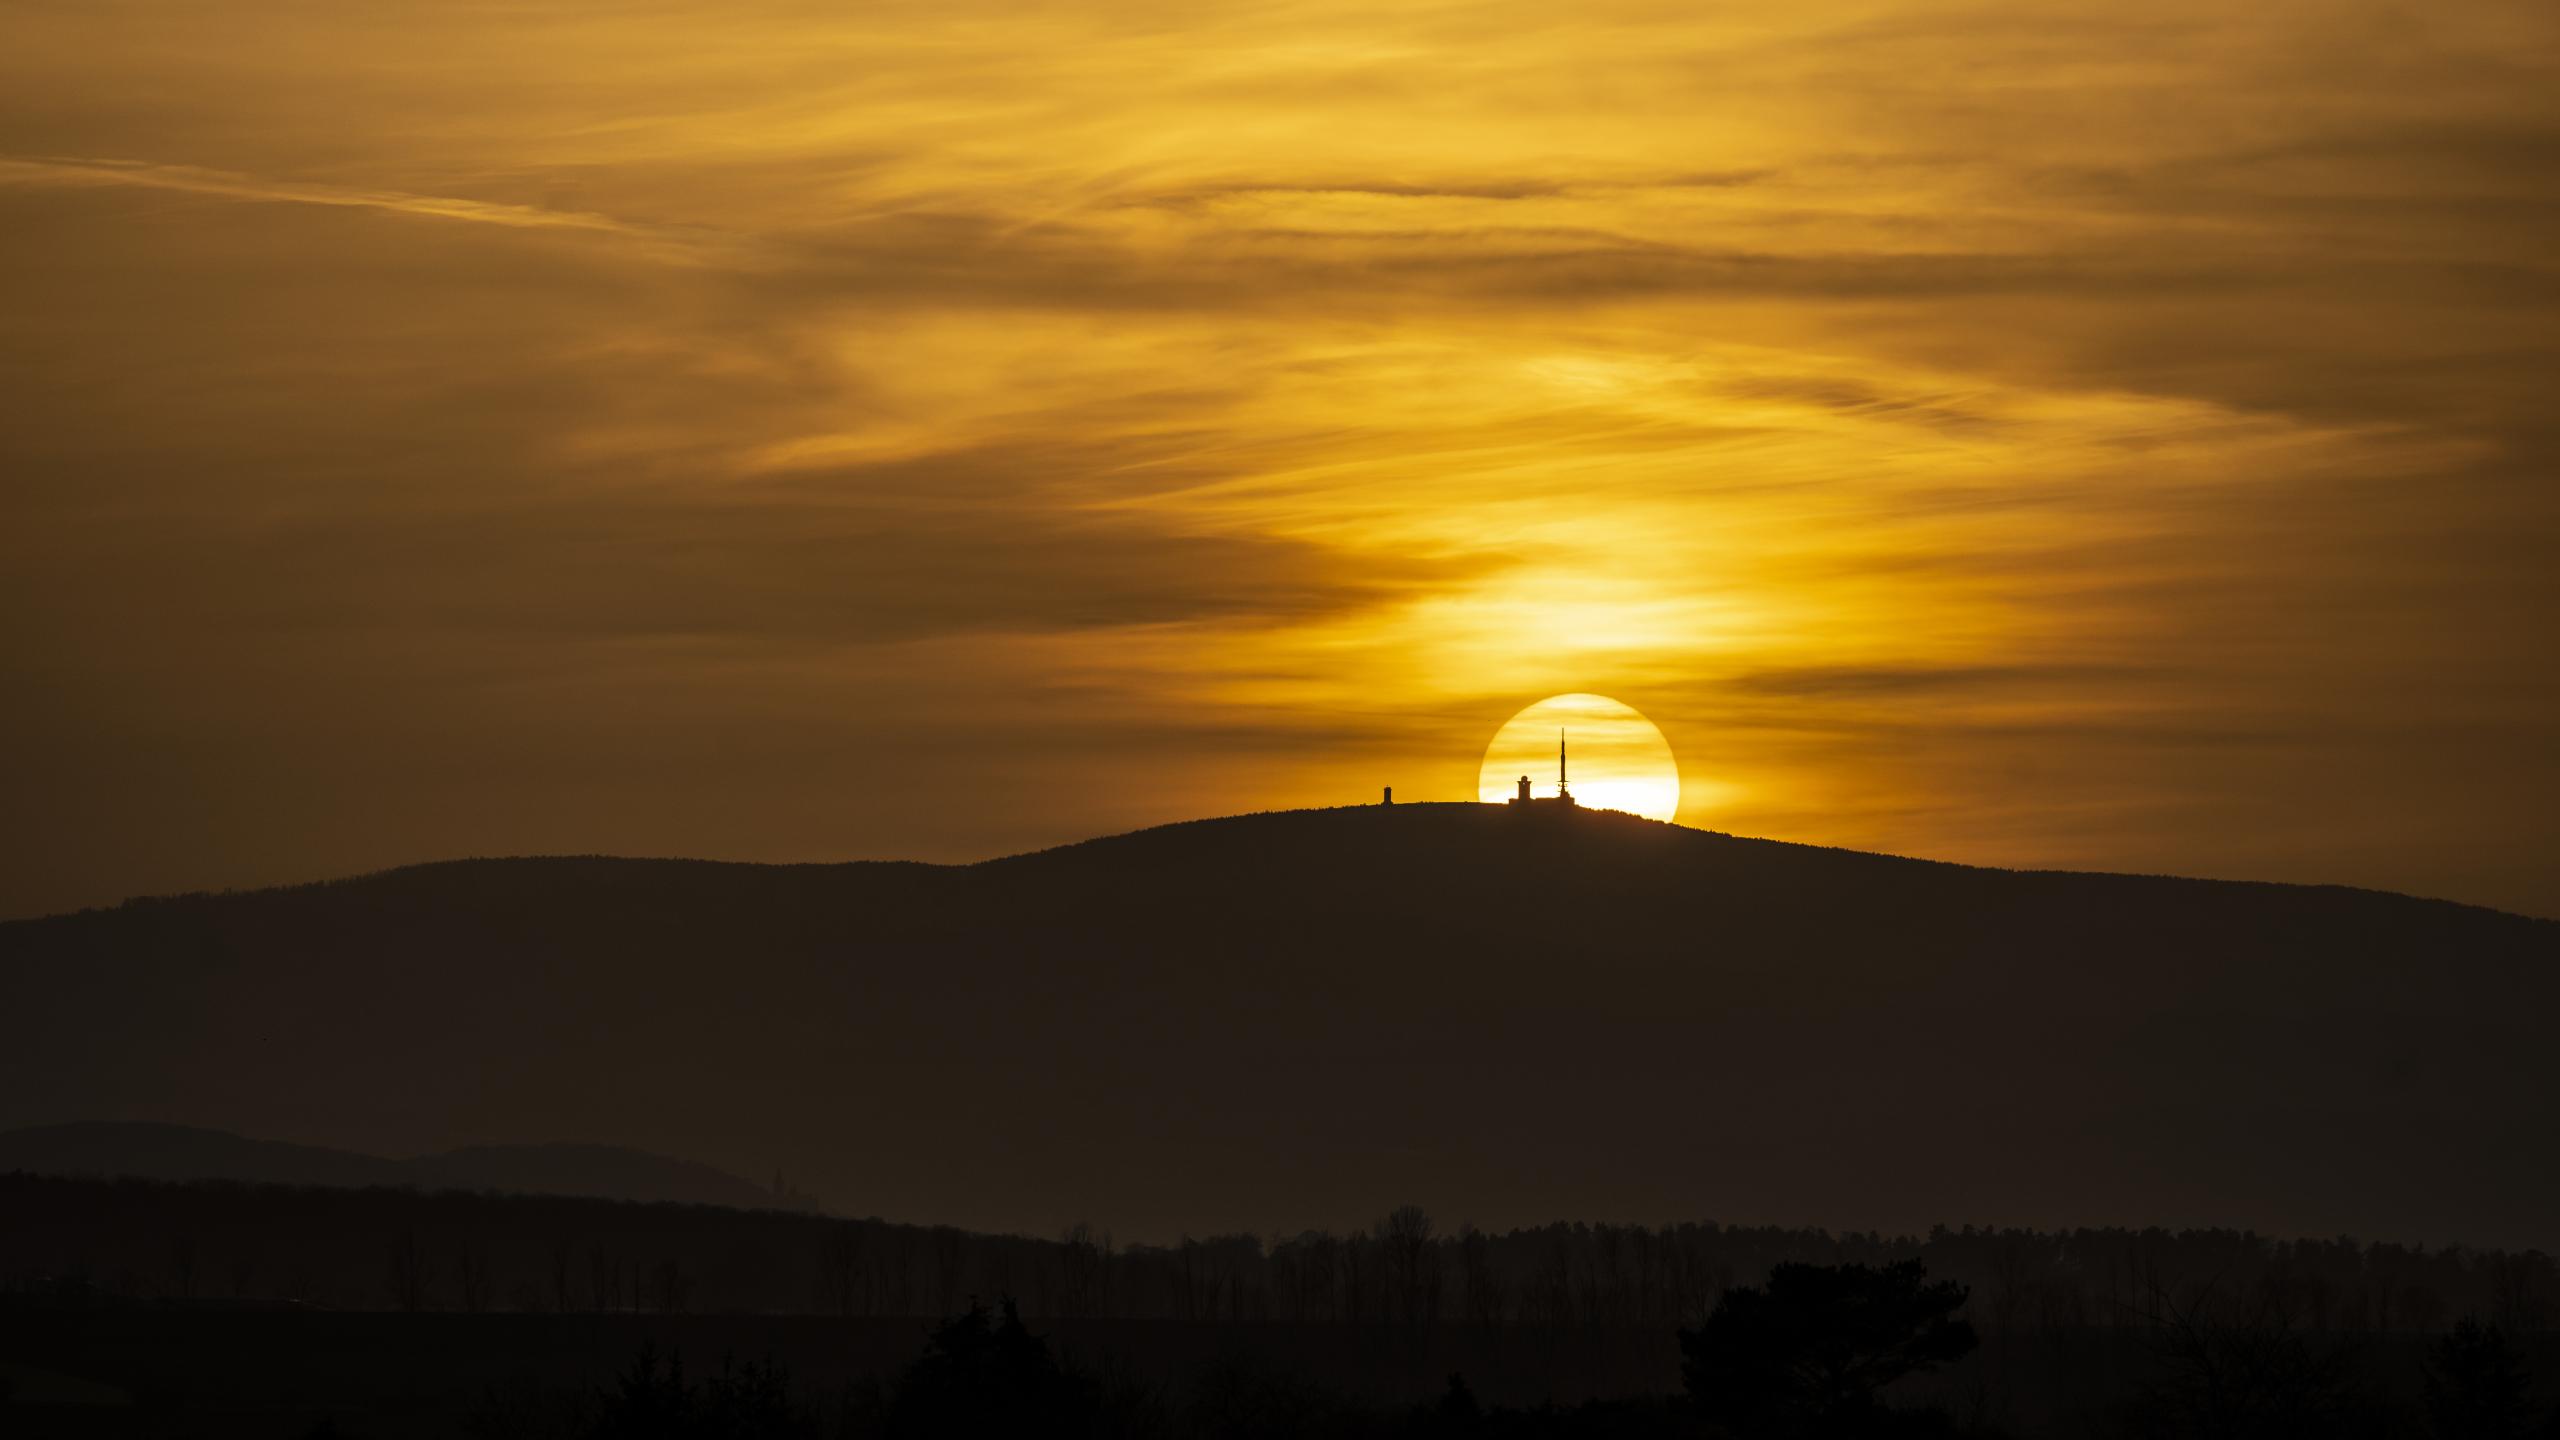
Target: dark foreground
[216,1372]
[151,1308]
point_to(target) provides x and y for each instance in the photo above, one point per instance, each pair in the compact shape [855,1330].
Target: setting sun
[1618,758]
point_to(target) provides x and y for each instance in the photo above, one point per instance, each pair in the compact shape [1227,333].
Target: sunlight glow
[1619,759]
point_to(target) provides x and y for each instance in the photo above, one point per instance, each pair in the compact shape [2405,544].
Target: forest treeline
[72,1240]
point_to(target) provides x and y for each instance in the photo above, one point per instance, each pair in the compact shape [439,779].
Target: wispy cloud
[679,243]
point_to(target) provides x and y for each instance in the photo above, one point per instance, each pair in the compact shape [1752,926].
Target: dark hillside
[184,1152]
[1296,1018]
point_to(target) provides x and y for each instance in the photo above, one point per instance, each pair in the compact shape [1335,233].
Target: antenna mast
[1560,760]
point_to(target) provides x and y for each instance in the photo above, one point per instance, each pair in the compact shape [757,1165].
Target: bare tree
[561,1299]
[674,1289]
[995,1266]
[950,1253]
[1079,1270]
[1359,1272]
[840,1276]
[1608,1292]
[408,1272]
[1411,1265]
[1321,1275]
[1300,1276]
[899,1270]
[2234,1366]
[1549,1296]
[2522,1289]
[604,1281]
[182,1264]
[1483,1283]
[1189,1281]
[244,1266]
[471,1278]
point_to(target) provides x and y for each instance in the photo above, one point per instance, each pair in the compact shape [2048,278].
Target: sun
[1619,760]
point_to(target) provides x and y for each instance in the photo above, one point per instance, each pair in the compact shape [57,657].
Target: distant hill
[185,1152]
[1289,1019]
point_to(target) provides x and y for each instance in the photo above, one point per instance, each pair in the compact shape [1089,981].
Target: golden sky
[2053,435]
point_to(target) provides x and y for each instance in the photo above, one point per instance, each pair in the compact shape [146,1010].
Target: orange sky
[2022,435]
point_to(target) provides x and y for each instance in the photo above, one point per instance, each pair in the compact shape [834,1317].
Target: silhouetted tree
[672,1287]
[471,1281]
[182,1265]
[1412,1264]
[244,1267]
[407,1272]
[950,1254]
[2475,1385]
[984,1376]
[1458,1406]
[1807,1352]
[2521,1287]
[604,1281]
[1079,1271]
[840,1275]
[739,1402]
[1484,1286]
[2236,1369]
[562,1298]
[647,1401]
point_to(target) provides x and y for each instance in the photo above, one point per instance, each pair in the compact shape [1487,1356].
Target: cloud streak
[695,246]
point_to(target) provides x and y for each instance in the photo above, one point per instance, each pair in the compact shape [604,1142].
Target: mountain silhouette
[1290,1019]
[186,1152]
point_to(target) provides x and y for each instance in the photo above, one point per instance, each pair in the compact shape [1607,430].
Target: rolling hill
[186,1152]
[1279,1020]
